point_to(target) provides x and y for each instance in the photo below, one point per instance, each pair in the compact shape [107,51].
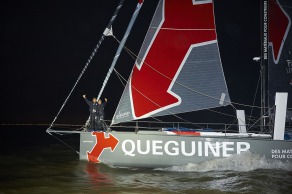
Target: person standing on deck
[101,126]
[96,109]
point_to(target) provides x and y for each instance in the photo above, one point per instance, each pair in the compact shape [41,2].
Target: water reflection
[96,176]
[54,169]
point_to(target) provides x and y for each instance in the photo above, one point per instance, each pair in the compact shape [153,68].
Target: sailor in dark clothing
[96,109]
[92,109]
[100,114]
[100,109]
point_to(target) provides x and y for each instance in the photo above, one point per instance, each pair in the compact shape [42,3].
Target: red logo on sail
[184,25]
[101,143]
[279,24]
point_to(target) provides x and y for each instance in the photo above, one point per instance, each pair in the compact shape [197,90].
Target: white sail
[178,67]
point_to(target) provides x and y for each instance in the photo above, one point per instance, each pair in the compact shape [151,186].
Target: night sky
[44,46]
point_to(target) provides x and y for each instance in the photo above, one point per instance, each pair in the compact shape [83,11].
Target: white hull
[152,149]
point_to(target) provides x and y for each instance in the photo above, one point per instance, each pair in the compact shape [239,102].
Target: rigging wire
[286,6]
[39,124]
[160,106]
[65,143]
[261,117]
[254,98]
[122,78]
[176,82]
[118,75]
[123,41]
[89,60]
[134,56]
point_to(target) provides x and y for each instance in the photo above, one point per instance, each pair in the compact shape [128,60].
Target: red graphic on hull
[279,25]
[193,133]
[101,143]
[184,25]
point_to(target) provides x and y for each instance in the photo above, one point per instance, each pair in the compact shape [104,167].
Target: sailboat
[179,70]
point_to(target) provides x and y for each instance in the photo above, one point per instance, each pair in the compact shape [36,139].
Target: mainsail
[178,68]
[280,50]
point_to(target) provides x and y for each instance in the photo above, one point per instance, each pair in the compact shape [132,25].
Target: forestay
[178,68]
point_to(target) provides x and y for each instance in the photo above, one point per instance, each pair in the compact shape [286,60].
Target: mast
[89,60]
[264,58]
[121,46]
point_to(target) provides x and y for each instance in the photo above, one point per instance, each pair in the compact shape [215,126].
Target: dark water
[34,162]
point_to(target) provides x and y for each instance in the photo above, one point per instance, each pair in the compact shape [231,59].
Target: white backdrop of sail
[178,67]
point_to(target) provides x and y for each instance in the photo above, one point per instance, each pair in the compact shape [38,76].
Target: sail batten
[178,68]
